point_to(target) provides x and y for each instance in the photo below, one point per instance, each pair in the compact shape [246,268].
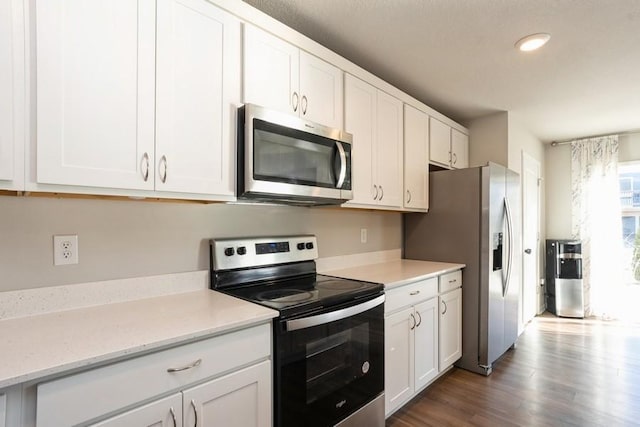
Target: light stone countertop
[397,272]
[38,346]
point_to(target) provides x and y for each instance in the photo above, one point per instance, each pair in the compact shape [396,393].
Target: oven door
[329,365]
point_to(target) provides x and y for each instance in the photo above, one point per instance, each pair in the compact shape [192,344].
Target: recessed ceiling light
[533,42]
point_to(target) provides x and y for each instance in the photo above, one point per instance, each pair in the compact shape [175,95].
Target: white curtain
[596,221]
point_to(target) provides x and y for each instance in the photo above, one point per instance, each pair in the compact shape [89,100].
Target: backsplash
[125,239]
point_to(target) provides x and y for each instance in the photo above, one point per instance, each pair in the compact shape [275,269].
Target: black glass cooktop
[305,294]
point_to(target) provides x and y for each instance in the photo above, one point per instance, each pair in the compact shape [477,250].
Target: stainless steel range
[328,339]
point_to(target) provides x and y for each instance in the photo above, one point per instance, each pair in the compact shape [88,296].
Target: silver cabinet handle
[375,187]
[163,176]
[455,158]
[173,417]
[195,413]
[303,104]
[414,292]
[408,196]
[145,169]
[527,251]
[445,307]
[381,193]
[414,321]
[419,319]
[186,367]
[294,100]
[453,281]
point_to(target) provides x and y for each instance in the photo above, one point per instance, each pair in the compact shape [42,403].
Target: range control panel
[229,254]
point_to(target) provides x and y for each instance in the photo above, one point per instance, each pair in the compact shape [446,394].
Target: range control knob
[300,246]
[242,250]
[229,251]
[309,245]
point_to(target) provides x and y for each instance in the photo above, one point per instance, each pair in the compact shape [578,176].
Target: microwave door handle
[343,164]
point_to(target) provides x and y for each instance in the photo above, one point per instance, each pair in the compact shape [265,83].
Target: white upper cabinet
[150,106]
[448,147]
[459,149]
[416,159]
[197,93]
[321,89]
[280,76]
[95,92]
[375,120]
[389,150]
[11,95]
[439,142]
[360,121]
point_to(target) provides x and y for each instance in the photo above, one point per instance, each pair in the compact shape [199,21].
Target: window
[629,179]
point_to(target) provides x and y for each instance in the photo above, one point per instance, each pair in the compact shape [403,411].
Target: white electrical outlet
[65,249]
[363,235]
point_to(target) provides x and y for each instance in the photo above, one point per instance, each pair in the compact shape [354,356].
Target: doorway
[532,292]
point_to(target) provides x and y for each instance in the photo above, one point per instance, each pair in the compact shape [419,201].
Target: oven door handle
[321,319]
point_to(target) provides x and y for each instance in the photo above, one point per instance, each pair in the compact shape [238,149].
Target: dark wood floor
[564,372]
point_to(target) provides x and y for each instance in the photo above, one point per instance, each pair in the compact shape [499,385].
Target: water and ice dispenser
[564,290]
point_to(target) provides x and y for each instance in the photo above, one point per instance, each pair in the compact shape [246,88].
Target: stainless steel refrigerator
[474,218]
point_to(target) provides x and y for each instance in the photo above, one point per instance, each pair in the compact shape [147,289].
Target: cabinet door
[11,94]
[388,156]
[95,92]
[398,358]
[416,158]
[426,342]
[321,91]
[240,399]
[459,149]
[198,86]
[271,71]
[439,142]
[450,336]
[360,121]
[165,412]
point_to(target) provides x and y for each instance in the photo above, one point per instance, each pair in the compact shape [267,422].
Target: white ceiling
[458,56]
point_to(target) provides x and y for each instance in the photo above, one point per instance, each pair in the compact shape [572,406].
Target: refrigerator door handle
[507,210]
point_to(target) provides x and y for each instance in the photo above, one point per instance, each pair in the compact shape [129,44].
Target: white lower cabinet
[450,334]
[422,337]
[411,344]
[240,399]
[165,412]
[224,380]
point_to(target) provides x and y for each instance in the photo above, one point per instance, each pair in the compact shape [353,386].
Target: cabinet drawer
[450,281]
[84,396]
[410,294]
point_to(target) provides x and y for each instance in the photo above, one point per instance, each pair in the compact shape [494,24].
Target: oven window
[335,361]
[290,156]
[325,372]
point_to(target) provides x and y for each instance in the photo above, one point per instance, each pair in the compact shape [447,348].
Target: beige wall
[120,239]
[488,140]
[558,182]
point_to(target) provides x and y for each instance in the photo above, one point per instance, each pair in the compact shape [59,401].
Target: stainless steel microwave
[284,159]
